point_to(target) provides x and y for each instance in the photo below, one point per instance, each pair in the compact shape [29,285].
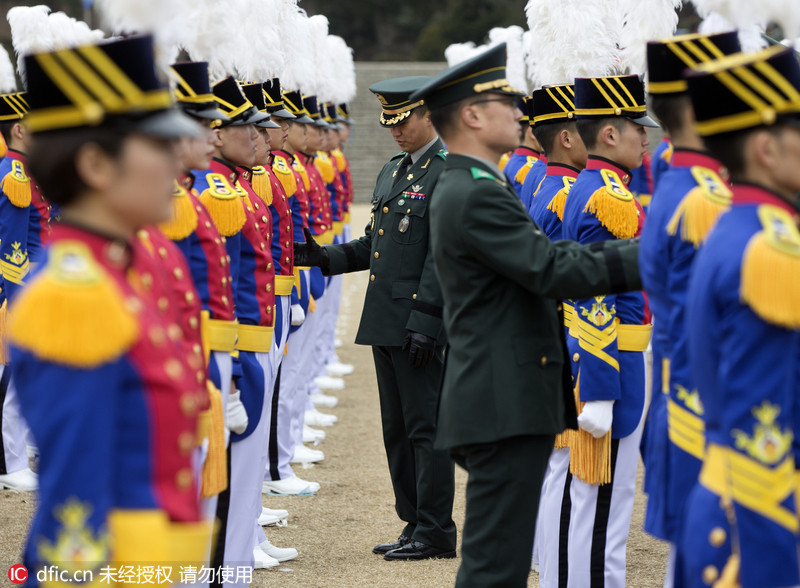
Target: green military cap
[485,72]
[394,96]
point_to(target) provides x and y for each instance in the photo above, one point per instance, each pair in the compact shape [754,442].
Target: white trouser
[549,519]
[283,304]
[597,515]
[311,362]
[248,459]
[15,431]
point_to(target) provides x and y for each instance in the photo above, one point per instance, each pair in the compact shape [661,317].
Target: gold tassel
[214,478]
[72,312]
[3,331]
[504,160]
[228,213]
[300,168]
[563,439]
[184,217]
[338,156]
[261,184]
[312,304]
[285,176]
[771,281]
[699,211]
[17,186]
[620,217]
[522,173]
[3,147]
[589,458]
[558,203]
[323,163]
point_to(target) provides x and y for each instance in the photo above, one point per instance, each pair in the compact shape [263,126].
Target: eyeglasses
[511,102]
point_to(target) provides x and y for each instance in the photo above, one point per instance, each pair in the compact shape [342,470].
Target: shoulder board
[72,312]
[568,182]
[261,184]
[523,171]
[401,154]
[770,280]
[613,205]
[16,185]
[442,153]
[285,176]
[504,160]
[184,216]
[223,204]
[699,210]
[479,174]
[558,202]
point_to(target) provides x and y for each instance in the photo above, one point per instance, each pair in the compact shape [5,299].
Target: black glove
[420,349]
[310,253]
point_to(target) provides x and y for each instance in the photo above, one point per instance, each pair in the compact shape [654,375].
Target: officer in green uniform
[506,390]
[402,320]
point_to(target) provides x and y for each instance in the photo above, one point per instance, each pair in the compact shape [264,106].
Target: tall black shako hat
[232,101]
[552,104]
[394,95]
[112,84]
[13,106]
[485,72]
[294,104]
[311,106]
[192,90]
[612,96]
[668,59]
[255,94]
[746,90]
[273,97]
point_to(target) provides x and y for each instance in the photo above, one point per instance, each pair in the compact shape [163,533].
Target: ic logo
[18,573]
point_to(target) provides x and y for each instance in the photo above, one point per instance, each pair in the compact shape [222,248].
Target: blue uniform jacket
[547,208]
[532,181]
[518,167]
[661,160]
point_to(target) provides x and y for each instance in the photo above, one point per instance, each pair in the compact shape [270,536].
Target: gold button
[385,209]
[263,246]
[178,273]
[372,278]
[184,479]
[228,257]
[188,405]
[174,332]
[413,297]
[173,369]
[224,240]
[201,377]
[134,305]
[408,211]
[380,231]
[710,575]
[225,300]
[186,442]
[543,360]
[263,219]
[287,260]
[222,261]
[196,348]
[269,287]
[157,335]
[287,243]
[162,252]
[217,241]
[256,225]
[224,281]
[269,265]
[576,356]
[717,537]
[558,307]
[269,310]
[198,209]
[256,204]
[377,255]
[193,322]
[147,280]
[208,224]
[617,111]
[289,228]
[163,304]
[189,297]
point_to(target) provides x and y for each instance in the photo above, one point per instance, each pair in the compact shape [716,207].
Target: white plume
[341,58]
[530,60]
[165,19]
[556,56]
[645,20]
[260,55]
[785,13]
[515,54]
[66,31]
[727,15]
[8,81]
[299,67]
[212,28]
[30,32]
[458,52]
[323,82]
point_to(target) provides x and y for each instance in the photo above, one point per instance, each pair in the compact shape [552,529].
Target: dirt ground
[335,530]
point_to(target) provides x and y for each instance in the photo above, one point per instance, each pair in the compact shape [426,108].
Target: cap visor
[283,113]
[210,113]
[267,124]
[304,120]
[645,121]
[169,124]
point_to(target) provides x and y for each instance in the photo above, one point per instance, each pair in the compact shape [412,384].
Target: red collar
[597,162]
[561,169]
[219,166]
[527,152]
[285,155]
[18,155]
[744,194]
[112,252]
[689,158]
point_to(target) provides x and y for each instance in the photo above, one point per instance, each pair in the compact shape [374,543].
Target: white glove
[596,417]
[298,316]
[237,415]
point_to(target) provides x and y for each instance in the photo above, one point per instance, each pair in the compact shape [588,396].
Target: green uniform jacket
[403,292]
[507,372]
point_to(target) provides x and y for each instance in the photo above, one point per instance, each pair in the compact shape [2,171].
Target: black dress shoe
[386,547]
[414,550]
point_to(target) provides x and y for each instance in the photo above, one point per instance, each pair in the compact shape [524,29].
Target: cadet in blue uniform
[662,156]
[690,196]
[538,169]
[741,520]
[524,157]
[608,336]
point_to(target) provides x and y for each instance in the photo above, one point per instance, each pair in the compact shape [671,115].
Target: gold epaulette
[223,204]
[504,160]
[770,278]
[184,216]
[301,169]
[699,210]
[211,426]
[522,172]
[613,205]
[72,312]
[16,185]
[285,176]
[558,202]
[341,162]
[589,457]
[261,184]
[323,163]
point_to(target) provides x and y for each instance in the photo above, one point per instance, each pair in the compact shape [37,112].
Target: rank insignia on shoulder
[770,269]
[442,153]
[16,185]
[480,174]
[219,187]
[72,312]
[712,184]
[613,205]
[614,185]
[699,210]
